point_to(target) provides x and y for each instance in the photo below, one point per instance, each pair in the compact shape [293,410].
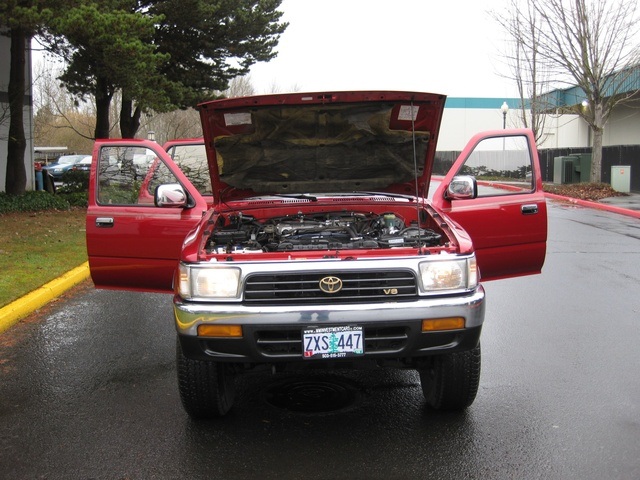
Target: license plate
[332,342]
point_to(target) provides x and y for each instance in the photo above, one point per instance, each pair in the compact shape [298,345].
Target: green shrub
[74,181]
[75,199]
[32,202]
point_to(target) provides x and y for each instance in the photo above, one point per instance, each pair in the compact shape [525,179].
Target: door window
[501,165]
[192,160]
[129,175]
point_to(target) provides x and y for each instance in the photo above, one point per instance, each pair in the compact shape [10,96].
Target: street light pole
[504,108]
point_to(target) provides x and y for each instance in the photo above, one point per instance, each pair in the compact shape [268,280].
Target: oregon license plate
[332,342]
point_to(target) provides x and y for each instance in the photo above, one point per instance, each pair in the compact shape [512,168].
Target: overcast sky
[451,47]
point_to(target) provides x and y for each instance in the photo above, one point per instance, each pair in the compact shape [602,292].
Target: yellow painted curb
[12,313]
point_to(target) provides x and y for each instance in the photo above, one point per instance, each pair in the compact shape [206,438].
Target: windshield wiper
[301,196]
[385,194]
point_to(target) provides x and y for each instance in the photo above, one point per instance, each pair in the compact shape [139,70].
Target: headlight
[449,274]
[208,282]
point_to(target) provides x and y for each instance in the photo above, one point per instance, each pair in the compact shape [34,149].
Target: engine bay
[331,230]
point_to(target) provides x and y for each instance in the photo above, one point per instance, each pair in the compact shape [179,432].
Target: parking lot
[88,388]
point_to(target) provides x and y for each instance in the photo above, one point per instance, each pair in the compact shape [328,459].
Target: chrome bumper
[272,334]
[189,315]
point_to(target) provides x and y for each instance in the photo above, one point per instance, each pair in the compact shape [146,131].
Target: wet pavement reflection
[88,389]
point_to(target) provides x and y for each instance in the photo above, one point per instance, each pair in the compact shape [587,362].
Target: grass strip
[38,247]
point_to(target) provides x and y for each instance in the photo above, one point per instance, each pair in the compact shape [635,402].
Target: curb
[595,205]
[12,313]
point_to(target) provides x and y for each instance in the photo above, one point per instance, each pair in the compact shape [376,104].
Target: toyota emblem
[330,284]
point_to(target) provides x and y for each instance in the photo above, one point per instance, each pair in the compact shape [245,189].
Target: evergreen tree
[107,47]
[161,54]
[208,43]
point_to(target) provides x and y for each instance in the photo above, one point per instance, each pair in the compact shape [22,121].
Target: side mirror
[170,195]
[462,187]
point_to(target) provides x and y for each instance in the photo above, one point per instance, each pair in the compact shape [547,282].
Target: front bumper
[272,334]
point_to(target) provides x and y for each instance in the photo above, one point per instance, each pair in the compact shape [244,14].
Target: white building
[463,117]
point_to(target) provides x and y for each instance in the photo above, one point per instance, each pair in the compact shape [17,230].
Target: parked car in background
[83,165]
[62,165]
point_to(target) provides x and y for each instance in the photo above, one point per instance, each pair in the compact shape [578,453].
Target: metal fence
[616,155]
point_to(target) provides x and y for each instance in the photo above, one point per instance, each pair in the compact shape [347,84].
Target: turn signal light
[436,324]
[219,330]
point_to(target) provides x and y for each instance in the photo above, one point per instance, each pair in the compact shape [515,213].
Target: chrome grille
[357,286]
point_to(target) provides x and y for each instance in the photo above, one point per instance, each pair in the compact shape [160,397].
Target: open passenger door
[506,215]
[132,243]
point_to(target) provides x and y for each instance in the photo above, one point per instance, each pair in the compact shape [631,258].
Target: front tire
[207,388]
[451,381]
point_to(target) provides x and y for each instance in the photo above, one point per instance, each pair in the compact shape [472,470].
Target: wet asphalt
[88,388]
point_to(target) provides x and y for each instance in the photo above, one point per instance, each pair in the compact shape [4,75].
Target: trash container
[582,167]
[39,179]
[48,182]
[621,178]
[564,170]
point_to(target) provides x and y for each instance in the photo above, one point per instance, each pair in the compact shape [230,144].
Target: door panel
[131,243]
[507,220]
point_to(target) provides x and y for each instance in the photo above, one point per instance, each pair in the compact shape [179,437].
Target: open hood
[338,142]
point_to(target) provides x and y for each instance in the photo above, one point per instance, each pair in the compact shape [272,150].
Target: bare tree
[588,44]
[186,123]
[525,66]
[64,119]
[240,87]
[172,125]
[59,119]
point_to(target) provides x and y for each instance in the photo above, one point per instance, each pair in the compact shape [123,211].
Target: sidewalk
[632,202]
[14,312]
[627,205]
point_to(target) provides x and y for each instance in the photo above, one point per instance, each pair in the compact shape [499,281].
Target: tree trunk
[16,179]
[597,131]
[103,102]
[129,118]
[596,155]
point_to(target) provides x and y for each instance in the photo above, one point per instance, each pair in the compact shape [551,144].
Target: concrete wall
[464,117]
[564,131]
[570,131]
[623,128]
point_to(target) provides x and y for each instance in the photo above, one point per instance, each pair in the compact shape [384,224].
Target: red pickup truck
[300,232]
